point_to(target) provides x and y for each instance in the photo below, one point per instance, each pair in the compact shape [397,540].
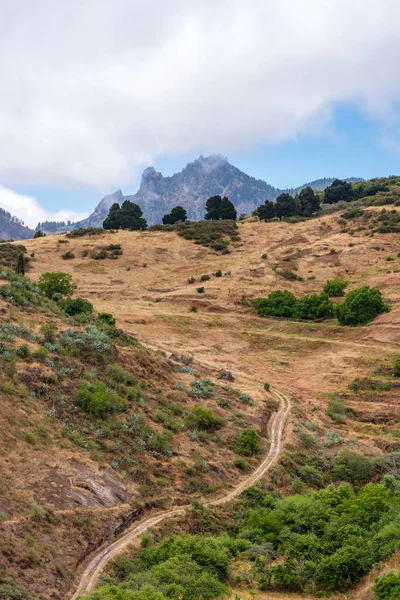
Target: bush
[106,318]
[203,418]
[335,287]
[97,400]
[285,304]
[361,306]
[200,290]
[204,278]
[247,443]
[277,304]
[353,467]
[52,283]
[68,255]
[387,587]
[76,306]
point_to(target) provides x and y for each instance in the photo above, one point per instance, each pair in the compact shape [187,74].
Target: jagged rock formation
[190,188]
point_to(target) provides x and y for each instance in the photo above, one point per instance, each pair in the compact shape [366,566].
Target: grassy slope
[309,361]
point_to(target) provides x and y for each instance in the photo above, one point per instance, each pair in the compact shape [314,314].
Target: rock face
[205,177]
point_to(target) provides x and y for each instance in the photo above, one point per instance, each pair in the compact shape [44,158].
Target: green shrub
[203,418]
[335,287]
[106,318]
[68,255]
[218,273]
[49,331]
[290,275]
[204,278]
[396,367]
[387,587]
[361,306]
[353,467]
[247,443]
[277,304]
[97,400]
[76,306]
[200,290]
[59,283]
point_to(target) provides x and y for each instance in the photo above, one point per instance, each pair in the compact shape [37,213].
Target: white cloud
[93,90]
[29,210]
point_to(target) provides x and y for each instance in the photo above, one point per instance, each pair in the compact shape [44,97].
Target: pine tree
[21,265]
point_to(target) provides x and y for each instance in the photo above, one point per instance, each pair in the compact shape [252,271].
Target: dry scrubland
[147,290]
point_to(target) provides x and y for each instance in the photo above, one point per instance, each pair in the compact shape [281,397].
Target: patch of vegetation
[247,443]
[76,306]
[335,287]
[203,418]
[361,306]
[102,252]
[290,275]
[68,255]
[387,587]
[97,400]
[56,284]
[10,253]
[285,304]
[85,231]
[212,234]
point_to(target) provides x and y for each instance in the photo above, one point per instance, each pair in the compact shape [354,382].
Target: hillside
[191,187]
[12,228]
[82,473]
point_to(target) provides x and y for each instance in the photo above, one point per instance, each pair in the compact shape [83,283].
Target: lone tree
[178,213]
[309,202]
[56,283]
[361,306]
[218,209]
[338,191]
[112,220]
[128,216]
[21,265]
[266,211]
[285,206]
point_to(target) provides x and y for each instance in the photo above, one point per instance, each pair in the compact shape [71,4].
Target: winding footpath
[92,571]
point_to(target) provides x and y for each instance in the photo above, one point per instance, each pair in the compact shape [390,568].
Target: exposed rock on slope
[190,188]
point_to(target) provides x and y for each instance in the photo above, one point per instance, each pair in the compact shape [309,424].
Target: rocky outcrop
[190,188]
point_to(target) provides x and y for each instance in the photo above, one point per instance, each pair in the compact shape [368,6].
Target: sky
[94,91]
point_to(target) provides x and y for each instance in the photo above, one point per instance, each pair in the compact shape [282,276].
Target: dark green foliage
[106,318]
[178,213]
[203,418]
[187,567]
[39,234]
[289,275]
[59,283]
[266,211]
[285,304]
[128,216]
[353,467]
[97,400]
[396,367]
[285,206]
[11,591]
[387,587]
[76,306]
[247,443]
[313,307]
[200,290]
[361,306]
[212,234]
[309,202]
[68,255]
[338,191]
[9,255]
[335,287]
[20,265]
[218,208]
[369,188]
[113,219]
[277,304]
[83,231]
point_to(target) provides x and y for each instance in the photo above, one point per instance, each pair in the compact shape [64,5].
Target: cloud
[92,91]
[29,210]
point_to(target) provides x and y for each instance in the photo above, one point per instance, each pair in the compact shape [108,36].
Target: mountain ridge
[192,186]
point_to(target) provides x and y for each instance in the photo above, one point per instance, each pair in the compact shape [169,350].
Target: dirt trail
[92,571]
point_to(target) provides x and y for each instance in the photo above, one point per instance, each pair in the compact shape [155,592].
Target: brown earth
[148,292]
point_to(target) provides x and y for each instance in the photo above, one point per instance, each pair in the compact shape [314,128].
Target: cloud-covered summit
[92,91]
